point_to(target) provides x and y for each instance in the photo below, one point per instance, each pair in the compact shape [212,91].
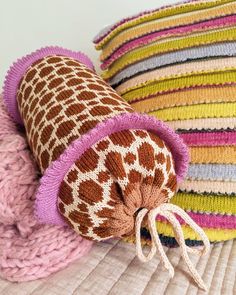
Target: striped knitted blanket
[178,63]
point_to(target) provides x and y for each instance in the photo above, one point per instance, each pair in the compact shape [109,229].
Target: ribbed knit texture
[178,63]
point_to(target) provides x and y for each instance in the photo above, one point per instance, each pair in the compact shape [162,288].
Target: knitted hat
[178,63]
[28,250]
[104,167]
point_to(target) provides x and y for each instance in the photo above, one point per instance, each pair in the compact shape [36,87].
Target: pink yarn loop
[28,250]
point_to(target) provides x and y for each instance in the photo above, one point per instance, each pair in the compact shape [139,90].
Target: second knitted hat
[178,64]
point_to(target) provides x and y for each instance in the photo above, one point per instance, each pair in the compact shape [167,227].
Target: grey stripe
[213,50]
[212,172]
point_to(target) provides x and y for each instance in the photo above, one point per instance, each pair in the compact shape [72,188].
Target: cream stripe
[202,186]
[200,124]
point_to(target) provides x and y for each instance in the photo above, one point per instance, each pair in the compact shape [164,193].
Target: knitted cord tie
[167,210]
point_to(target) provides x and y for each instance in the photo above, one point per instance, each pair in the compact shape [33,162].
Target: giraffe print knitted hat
[104,167]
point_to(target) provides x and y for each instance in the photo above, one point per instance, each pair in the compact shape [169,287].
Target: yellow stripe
[183,82]
[213,110]
[210,203]
[169,11]
[212,233]
[170,45]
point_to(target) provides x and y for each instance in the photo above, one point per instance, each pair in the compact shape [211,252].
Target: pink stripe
[223,21]
[208,220]
[209,138]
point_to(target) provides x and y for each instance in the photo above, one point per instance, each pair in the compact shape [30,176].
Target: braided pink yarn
[28,250]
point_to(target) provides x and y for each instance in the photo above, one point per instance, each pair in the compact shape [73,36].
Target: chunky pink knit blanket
[28,250]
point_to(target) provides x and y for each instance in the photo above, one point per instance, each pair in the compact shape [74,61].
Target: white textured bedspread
[112,268]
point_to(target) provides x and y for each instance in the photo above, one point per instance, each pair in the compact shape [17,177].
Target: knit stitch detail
[215,235]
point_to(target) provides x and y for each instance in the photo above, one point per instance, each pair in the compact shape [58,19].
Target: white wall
[26,25]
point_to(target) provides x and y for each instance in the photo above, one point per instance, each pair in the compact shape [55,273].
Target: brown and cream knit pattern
[60,99]
[120,174]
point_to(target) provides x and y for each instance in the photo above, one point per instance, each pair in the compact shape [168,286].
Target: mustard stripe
[212,110]
[210,203]
[183,82]
[169,11]
[213,155]
[167,23]
[186,97]
[170,45]
[213,234]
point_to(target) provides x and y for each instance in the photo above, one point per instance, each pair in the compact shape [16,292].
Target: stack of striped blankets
[178,63]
